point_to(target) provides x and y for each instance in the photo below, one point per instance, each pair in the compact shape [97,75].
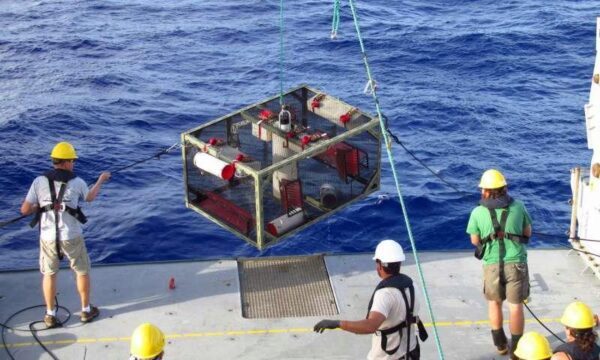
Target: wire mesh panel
[286,287]
[269,170]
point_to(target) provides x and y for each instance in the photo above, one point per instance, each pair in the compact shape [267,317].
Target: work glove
[326,324]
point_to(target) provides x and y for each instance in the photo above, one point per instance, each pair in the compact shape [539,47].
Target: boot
[500,341]
[514,340]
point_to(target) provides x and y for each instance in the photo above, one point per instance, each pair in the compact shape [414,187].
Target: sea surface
[467,85]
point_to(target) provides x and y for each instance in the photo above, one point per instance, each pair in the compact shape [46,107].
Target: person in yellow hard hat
[147,343]
[499,229]
[579,322]
[54,198]
[533,346]
[392,312]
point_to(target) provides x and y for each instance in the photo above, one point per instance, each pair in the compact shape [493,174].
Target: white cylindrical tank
[214,166]
[286,222]
[283,149]
[260,132]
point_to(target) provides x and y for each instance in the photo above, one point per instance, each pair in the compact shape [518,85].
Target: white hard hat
[389,251]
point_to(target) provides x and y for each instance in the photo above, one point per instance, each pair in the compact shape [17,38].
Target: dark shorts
[514,287]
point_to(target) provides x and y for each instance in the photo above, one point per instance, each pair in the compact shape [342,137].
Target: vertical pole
[304,107]
[258,179]
[575,180]
[281,55]
[228,132]
[185,173]
[388,146]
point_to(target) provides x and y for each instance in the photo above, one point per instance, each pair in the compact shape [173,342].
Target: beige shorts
[515,288]
[73,249]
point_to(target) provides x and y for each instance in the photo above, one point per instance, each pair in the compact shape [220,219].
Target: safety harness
[499,227]
[402,283]
[57,206]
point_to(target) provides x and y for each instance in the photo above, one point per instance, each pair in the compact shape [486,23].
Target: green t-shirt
[480,223]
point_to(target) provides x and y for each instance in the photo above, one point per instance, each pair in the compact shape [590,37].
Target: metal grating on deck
[286,287]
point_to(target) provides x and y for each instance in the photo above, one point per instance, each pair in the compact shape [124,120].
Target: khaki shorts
[515,288]
[73,249]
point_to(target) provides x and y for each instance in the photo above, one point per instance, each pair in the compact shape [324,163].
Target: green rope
[388,146]
[335,22]
[281,30]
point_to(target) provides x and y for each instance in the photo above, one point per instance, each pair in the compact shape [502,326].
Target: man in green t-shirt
[499,228]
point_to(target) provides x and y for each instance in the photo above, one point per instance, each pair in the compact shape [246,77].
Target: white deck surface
[202,316]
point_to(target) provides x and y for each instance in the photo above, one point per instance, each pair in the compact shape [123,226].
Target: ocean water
[467,85]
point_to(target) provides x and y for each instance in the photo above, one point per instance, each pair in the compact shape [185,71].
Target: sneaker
[502,350]
[50,321]
[87,316]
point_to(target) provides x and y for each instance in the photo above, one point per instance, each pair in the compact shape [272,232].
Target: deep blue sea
[467,85]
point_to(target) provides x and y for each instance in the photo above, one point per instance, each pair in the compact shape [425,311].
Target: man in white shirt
[54,197]
[391,317]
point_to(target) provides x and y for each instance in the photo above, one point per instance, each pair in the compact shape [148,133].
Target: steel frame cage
[263,238]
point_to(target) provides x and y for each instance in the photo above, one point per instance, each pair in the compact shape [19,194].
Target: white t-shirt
[39,193]
[389,303]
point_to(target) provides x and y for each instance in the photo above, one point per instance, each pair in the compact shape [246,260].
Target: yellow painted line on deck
[440,324]
[108,339]
[236,333]
[68,341]
[214,334]
[85,341]
[193,335]
[20,344]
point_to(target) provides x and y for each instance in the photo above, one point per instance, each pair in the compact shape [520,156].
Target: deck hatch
[286,287]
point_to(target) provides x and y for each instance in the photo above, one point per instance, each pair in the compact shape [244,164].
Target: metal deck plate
[286,287]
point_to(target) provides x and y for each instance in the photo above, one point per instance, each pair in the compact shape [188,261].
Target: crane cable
[388,146]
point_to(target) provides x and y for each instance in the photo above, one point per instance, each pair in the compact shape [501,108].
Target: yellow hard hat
[533,346]
[63,151]
[147,341]
[578,316]
[492,179]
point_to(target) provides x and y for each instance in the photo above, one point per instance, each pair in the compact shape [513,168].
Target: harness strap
[499,229]
[63,177]
[400,282]
[514,237]
[384,333]
[56,206]
[502,246]
[77,213]
[409,320]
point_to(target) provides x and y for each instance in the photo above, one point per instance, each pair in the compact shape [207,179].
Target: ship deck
[202,317]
